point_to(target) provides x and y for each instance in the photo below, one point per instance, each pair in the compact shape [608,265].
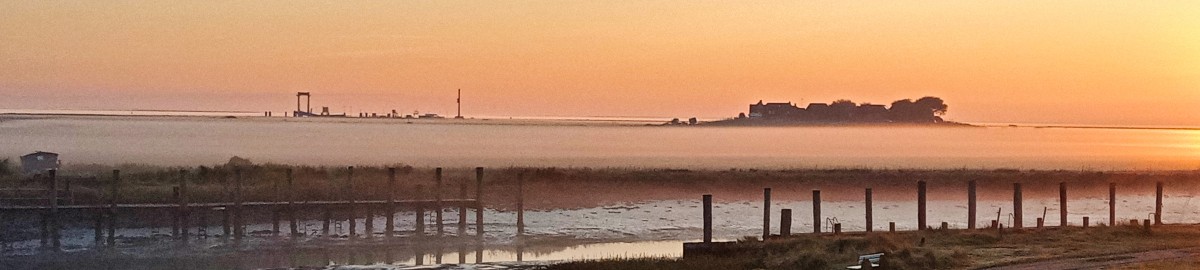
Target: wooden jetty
[184,213]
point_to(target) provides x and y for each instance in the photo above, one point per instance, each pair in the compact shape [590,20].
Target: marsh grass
[952,249]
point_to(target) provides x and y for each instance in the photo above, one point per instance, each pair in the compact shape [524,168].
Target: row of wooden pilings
[972,204]
[233,223]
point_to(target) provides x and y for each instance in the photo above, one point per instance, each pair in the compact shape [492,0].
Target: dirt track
[1106,261]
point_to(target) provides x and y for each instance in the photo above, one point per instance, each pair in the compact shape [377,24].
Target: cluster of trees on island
[923,110]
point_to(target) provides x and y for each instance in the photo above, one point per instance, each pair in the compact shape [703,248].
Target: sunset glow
[1073,62]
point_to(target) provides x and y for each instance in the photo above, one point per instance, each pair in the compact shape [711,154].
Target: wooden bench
[873,259]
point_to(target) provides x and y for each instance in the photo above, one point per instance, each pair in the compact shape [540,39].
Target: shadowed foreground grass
[952,249]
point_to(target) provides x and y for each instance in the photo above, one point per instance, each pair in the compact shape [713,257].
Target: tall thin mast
[459,100]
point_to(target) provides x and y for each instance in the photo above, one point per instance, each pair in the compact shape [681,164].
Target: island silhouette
[926,110]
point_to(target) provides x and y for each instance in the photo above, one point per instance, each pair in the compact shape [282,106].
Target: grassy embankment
[952,249]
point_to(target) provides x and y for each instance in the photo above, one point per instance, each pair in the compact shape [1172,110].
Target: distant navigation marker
[459,100]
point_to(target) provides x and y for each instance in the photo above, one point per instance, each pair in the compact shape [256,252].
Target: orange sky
[1083,62]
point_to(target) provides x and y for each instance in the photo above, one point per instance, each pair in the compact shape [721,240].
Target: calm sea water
[200,140]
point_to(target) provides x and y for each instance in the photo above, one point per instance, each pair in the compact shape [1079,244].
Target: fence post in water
[891,226]
[462,210]
[1112,204]
[971,205]
[112,208]
[708,216]
[479,202]
[816,204]
[520,206]
[275,209]
[1017,224]
[1158,204]
[238,230]
[1040,222]
[1085,222]
[870,217]
[175,216]
[785,222]
[390,219]
[1062,204]
[437,198]
[184,212]
[98,217]
[921,188]
[1146,225]
[419,231]
[766,232]
[291,200]
[54,227]
[352,212]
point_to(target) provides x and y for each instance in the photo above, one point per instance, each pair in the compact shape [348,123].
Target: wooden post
[184,211]
[462,210]
[479,202]
[1017,209]
[520,206]
[1146,225]
[238,229]
[945,226]
[891,226]
[870,217]
[1112,204]
[971,205]
[420,214]
[837,228]
[113,196]
[1062,204]
[98,217]
[1158,203]
[368,221]
[1085,222]
[766,232]
[1040,222]
[56,240]
[389,225]
[226,208]
[816,203]
[785,222]
[176,215]
[352,212]
[708,216]
[275,209]
[291,201]
[437,197]
[921,189]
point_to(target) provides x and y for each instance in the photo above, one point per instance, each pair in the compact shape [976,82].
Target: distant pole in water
[870,218]
[479,203]
[971,204]
[390,220]
[238,230]
[54,227]
[816,203]
[1112,204]
[1017,209]
[921,205]
[112,209]
[437,195]
[1158,203]
[1062,203]
[350,196]
[708,216]
[766,213]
